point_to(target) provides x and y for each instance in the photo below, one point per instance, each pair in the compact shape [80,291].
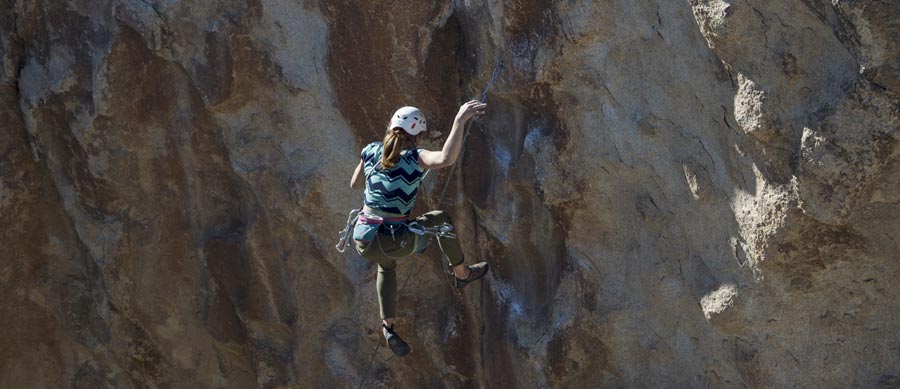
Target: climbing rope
[419,229]
[494,75]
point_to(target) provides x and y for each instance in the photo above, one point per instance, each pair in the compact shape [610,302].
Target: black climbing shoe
[398,346]
[476,271]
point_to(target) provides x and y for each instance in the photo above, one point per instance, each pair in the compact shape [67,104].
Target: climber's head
[406,123]
[410,119]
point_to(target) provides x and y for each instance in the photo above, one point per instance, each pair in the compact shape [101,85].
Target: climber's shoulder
[370,150]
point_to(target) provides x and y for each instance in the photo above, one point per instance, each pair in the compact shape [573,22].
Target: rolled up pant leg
[449,246]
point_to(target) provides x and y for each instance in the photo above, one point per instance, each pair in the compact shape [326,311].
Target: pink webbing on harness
[369,219]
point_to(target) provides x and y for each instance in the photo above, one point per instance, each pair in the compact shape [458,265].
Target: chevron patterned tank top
[391,190]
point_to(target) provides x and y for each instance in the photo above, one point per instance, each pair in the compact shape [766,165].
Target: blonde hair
[392,147]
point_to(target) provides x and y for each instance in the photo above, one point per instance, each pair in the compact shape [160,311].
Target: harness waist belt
[388,217]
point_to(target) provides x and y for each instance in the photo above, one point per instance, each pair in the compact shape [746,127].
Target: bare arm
[448,154]
[355,181]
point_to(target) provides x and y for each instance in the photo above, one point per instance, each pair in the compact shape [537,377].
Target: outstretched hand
[469,110]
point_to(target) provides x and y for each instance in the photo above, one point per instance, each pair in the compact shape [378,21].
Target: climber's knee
[439,216]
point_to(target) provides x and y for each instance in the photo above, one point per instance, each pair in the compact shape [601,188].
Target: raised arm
[448,154]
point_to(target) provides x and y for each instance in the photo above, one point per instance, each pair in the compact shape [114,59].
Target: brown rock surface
[671,194]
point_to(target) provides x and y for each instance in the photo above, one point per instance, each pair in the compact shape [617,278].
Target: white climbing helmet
[410,119]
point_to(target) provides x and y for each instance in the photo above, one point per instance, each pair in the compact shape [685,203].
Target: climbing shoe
[398,346]
[476,271]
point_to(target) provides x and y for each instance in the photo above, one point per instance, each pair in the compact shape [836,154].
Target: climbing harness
[445,230]
[374,223]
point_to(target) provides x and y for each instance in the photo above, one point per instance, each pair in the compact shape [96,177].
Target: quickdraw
[494,74]
[442,231]
[345,234]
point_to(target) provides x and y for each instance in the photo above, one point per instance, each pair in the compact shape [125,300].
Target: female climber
[391,175]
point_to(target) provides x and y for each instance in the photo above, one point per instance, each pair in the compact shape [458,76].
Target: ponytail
[393,145]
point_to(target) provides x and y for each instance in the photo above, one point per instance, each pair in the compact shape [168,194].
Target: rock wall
[691,193]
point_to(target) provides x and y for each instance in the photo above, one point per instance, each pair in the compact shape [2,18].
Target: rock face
[671,194]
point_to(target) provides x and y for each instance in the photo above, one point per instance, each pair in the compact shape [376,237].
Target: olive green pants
[386,250]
